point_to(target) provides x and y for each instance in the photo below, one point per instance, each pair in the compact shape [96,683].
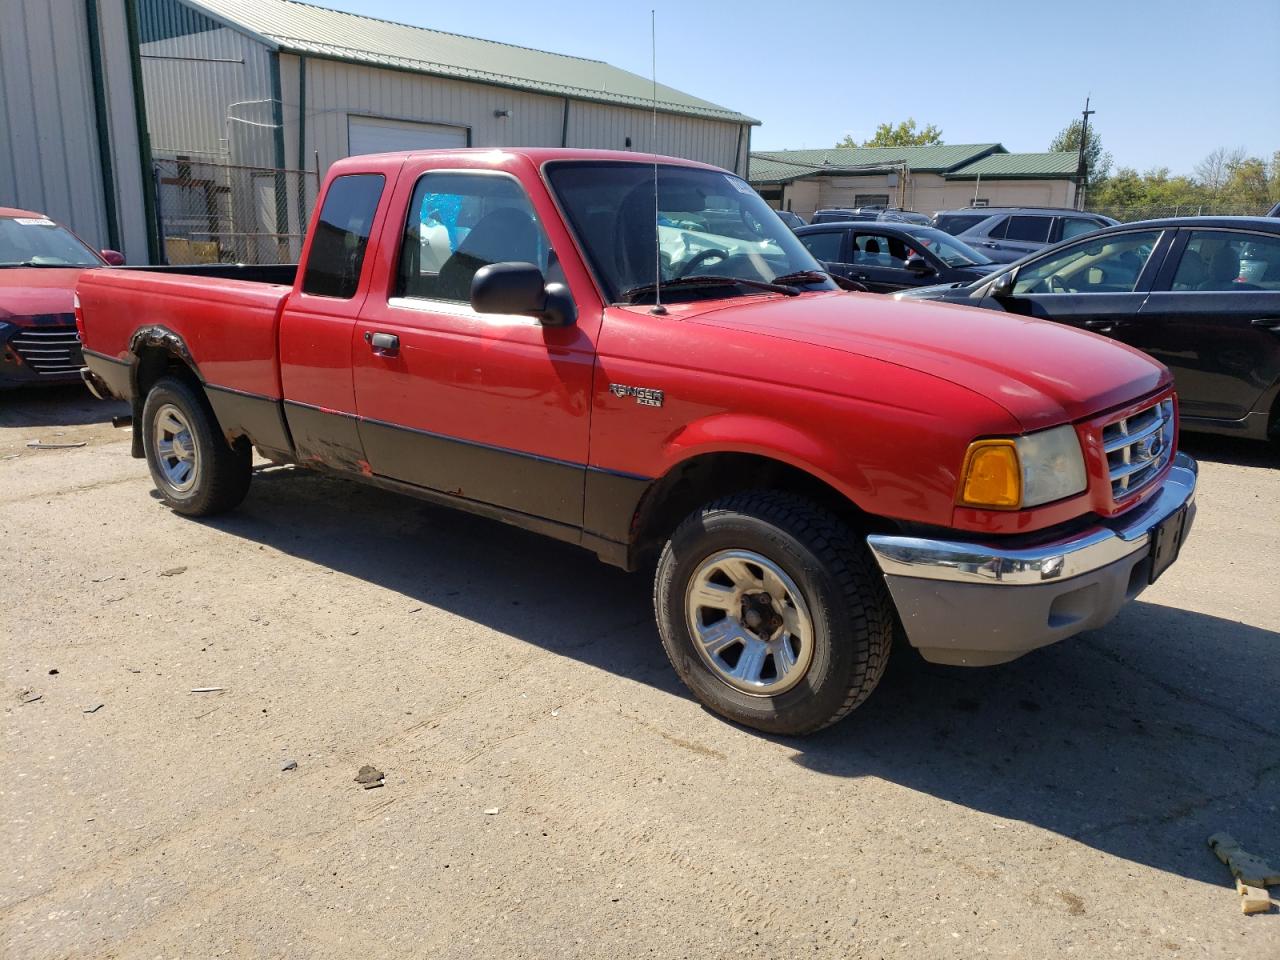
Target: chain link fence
[1153,212]
[223,213]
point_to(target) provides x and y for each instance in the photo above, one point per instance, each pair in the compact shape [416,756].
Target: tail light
[75,306]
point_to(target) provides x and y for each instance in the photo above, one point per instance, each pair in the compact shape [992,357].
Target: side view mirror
[520,288]
[1002,286]
[918,264]
[114,258]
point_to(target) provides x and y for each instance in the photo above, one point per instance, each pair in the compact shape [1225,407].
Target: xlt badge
[645,396]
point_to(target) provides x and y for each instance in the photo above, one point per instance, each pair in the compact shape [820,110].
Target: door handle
[1270,324]
[1102,326]
[383,344]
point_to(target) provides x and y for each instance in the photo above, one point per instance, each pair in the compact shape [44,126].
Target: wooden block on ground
[1253,899]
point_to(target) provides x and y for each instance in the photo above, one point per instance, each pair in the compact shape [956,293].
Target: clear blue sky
[1171,80]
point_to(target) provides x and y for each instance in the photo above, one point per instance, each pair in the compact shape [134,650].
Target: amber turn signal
[992,476]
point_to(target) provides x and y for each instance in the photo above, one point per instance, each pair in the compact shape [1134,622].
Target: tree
[1215,169]
[903,134]
[1097,162]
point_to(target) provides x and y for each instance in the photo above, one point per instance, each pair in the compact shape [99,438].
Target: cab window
[459,222]
[342,236]
[1110,264]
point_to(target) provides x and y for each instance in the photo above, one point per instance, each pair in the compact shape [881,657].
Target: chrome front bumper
[980,603]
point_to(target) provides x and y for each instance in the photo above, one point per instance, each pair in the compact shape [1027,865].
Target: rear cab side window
[342,236]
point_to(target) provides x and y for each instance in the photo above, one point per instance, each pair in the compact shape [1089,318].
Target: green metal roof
[774,166]
[315,31]
[1019,166]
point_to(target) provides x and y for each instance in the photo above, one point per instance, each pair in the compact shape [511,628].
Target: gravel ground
[550,790]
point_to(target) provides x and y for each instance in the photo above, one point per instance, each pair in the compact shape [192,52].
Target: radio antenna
[658,308]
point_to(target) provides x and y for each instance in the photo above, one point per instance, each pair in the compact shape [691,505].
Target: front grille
[49,351]
[1138,447]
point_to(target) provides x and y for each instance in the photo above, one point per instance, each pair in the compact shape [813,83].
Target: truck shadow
[1139,740]
[61,406]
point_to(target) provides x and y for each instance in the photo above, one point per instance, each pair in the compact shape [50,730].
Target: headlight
[1023,471]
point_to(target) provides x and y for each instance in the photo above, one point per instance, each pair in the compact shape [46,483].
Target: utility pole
[1082,170]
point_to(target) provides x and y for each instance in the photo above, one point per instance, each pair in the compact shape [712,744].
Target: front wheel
[772,613]
[196,471]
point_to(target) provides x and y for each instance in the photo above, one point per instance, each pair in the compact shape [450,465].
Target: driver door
[486,407]
[1098,284]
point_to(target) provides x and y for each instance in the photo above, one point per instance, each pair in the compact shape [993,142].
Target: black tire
[222,472]
[849,606]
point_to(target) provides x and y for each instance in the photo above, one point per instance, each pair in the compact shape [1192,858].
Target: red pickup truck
[634,354]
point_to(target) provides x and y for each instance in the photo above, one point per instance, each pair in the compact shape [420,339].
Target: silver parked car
[1006,234]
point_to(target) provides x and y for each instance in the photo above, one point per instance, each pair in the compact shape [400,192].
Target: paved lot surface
[1055,806]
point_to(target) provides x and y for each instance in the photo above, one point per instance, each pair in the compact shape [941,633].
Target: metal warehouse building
[197,130]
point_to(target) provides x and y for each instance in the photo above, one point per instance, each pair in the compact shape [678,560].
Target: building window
[870,199]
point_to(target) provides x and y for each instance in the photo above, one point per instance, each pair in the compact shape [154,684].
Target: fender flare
[145,338]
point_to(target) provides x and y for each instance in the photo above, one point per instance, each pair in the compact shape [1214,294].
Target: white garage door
[371,135]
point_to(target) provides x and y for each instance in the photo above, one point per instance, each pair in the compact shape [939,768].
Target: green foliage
[903,134]
[1097,162]
[1226,181]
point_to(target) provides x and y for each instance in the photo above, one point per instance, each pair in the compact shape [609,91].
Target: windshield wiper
[804,276]
[710,281]
[32,263]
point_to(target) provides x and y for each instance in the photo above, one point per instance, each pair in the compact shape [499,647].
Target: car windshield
[706,224]
[952,252]
[39,242]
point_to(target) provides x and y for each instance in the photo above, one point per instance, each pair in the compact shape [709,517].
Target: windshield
[952,252]
[39,242]
[708,224]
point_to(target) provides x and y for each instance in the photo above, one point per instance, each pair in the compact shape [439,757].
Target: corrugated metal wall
[609,127]
[122,123]
[336,90]
[49,143]
[208,87]
[49,153]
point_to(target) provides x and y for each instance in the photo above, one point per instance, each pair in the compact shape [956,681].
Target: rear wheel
[772,613]
[196,471]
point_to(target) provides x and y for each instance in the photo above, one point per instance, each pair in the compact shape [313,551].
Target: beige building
[926,179]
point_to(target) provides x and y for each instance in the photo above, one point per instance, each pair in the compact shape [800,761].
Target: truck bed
[227,315]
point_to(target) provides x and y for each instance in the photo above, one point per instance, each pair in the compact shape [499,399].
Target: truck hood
[1043,373]
[28,293]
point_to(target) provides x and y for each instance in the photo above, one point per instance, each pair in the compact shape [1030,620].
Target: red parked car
[40,262]
[636,355]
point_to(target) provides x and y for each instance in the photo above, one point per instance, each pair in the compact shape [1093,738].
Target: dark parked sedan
[886,257]
[1200,294]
